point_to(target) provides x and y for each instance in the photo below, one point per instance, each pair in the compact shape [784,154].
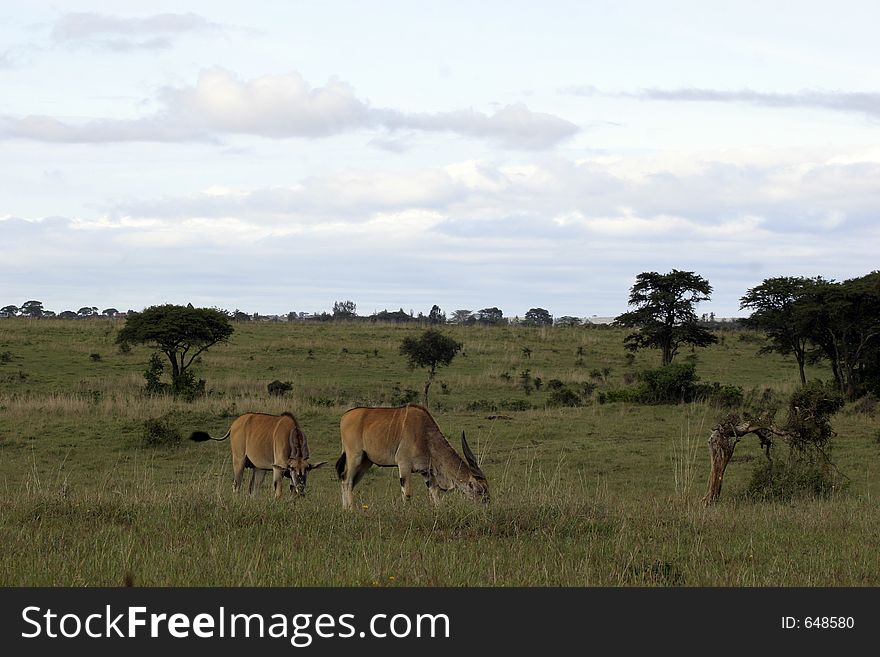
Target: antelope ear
[315,466]
[469,455]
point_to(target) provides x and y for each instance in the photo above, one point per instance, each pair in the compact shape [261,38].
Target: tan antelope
[408,437]
[267,442]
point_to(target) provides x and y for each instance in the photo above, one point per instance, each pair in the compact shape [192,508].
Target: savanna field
[603,494]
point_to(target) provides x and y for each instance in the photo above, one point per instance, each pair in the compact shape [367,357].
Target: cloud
[284,106]
[567,236]
[720,195]
[514,126]
[121,34]
[866,103]
[270,106]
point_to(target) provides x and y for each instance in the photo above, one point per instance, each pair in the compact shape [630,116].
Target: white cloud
[283,106]
[122,33]
[867,103]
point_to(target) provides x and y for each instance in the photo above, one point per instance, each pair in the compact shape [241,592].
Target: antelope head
[476,487]
[298,465]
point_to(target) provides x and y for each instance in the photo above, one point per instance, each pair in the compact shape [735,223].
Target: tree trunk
[721,450]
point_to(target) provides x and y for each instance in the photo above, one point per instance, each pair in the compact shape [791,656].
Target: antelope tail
[340,466]
[200,436]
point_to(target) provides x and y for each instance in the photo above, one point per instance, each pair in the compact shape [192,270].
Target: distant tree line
[810,319]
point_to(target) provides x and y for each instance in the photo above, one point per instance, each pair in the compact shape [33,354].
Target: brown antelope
[409,438]
[267,442]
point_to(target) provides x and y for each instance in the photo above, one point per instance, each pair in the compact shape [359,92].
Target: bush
[783,482]
[402,397]
[726,395]
[670,384]
[187,387]
[153,376]
[564,396]
[279,388]
[160,432]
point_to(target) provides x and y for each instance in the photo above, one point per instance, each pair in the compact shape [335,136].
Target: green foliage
[670,384]
[720,394]
[538,317]
[432,349]
[160,432]
[665,313]
[153,376]
[182,333]
[564,396]
[401,396]
[807,469]
[777,306]
[526,382]
[809,417]
[279,388]
[785,481]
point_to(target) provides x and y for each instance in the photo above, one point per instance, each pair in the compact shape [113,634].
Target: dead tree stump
[723,441]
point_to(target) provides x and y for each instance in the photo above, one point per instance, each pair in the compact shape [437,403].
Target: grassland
[602,494]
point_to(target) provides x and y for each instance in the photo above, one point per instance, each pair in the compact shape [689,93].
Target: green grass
[595,495]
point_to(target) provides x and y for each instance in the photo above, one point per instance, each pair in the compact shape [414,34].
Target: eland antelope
[267,442]
[409,438]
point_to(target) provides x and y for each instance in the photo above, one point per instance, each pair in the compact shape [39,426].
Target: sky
[273,157]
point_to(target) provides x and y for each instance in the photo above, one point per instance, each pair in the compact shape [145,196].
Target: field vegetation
[99,485]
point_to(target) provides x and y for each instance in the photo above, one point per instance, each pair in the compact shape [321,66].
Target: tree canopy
[182,333]
[779,310]
[665,313]
[432,349]
[538,317]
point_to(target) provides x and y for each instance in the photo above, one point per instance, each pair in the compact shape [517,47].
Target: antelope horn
[469,455]
[303,443]
[294,444]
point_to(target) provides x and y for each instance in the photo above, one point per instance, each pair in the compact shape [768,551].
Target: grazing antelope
[267,442]
[409,438]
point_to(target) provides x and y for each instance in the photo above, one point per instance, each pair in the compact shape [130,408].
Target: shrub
[670,384]
[514,405]
[187,387]
[808,469]
[564,397]
[405,396]
[160,432]
[153,376]
[726,395]
[786,481]
[279,388]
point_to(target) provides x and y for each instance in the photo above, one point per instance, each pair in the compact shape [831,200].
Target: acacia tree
[779,310]
[844,320]
[432,349]
[182,333]
[344,310]
[665,313]
[32,308]
[490,316]
[538,317]
[463,316]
